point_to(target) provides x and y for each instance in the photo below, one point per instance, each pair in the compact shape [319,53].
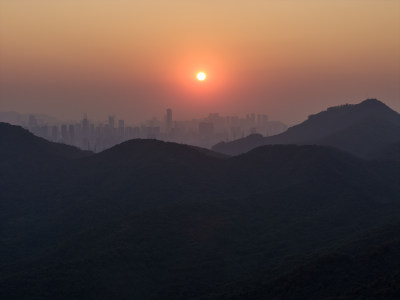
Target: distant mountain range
[154,220]
[364,129]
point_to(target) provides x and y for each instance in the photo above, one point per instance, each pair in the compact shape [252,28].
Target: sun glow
[201,76]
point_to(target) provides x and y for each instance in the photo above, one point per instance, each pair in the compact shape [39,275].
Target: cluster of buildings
[205,132]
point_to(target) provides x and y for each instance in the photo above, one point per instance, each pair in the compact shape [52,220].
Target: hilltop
[362,129]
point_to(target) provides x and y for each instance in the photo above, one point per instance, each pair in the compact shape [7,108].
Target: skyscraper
[111,122]
[168,120]
[85,126]
[64,133]
[54,133]
[121,128]
[71,129]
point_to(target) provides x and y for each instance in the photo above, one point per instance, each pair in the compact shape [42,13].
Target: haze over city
[134,59]
[242,149]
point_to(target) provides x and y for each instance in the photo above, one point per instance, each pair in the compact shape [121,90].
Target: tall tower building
[71,129]
[85,132]
[111,122]
[121,128]
[85,126]
[64,133]
[168,120]
[54,133]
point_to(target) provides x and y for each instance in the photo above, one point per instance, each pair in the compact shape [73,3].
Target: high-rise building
[71,130]
[85,131]
[253,118]
[64,133]
[54,133]
[265,120]
[111,122]
[85,124]
[121,128]
[168,120]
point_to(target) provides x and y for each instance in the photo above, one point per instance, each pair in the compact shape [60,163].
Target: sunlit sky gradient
[135,58]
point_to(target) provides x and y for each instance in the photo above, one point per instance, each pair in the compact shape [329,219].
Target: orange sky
[136,58]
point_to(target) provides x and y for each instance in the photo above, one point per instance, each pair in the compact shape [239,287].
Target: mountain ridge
[14,138]
[337,120]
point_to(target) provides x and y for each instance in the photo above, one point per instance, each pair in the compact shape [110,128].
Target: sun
[201,76]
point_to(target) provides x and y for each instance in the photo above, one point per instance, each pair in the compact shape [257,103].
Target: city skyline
[51,119]
[99,135]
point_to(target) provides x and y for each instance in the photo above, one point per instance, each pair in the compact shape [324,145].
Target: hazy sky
[136,58]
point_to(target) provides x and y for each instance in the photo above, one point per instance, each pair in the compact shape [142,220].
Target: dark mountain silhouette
[361,268]
[150,220]
[30,165]
[146,150]
[16,141]
[32,171]
[25,158]
[389,153]
[362,129]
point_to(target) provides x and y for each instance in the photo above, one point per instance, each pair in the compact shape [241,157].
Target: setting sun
[201,76]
